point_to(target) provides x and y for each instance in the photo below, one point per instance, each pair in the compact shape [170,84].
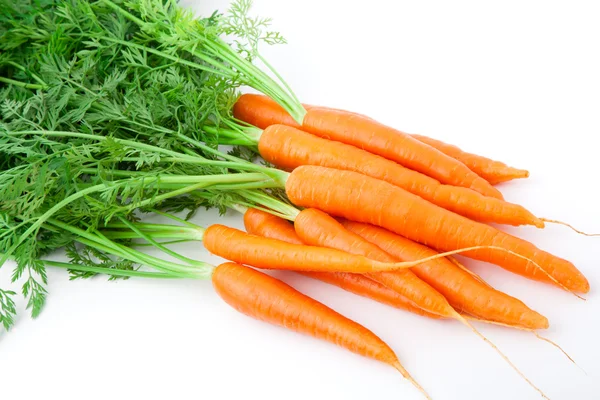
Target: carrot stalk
[267,299]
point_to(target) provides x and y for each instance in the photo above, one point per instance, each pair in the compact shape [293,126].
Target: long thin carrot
[288,148]
[464,291]
[267,299]
[316,227]
[361,198]
[241,247]
[492,171]
[263,224]
[368,134]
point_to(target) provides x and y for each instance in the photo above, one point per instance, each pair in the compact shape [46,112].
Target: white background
[514,80]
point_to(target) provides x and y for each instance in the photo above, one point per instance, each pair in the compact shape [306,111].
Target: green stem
[176,157]
[48,214]
[108,246]
[22,68]
[21,84]
[110,271]
[180,220]
[248,137]
[164,249]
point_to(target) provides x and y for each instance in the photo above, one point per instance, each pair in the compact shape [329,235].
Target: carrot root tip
[407,376]
[553,221]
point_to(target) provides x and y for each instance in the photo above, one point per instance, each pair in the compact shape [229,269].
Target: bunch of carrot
[375,211]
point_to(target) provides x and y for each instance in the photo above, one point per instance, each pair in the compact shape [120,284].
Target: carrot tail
[407,376]
[559,348]
[484,321]
[553,221]
[513,366]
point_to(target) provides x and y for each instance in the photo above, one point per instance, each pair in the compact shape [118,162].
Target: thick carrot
[288,148]
[263,224]
[365,133]
[492,171]
[465,292]
[361,198]
[241,247]
[267,299]
[316,228]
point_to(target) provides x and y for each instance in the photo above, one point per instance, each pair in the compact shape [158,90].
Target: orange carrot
[267,299]
[364,199]
[464,291]
[368,134]
[263,224]
[316,228]
[288,148]
[492,171]
[241,247]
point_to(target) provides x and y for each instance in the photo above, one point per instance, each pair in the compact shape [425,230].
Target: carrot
[288,148]
[262,111]
[464,291]
[492,171]
[235,245]
[267,299]
[364,199]
[368,134]
[263,224]
[314,226]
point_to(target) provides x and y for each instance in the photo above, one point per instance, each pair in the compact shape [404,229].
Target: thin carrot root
[513,366]
[468,271]
[407,376]
[559,348]
[485,321]
[553,221]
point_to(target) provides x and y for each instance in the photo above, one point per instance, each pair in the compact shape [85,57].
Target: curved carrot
[492,171]
[368,134]
[267,299]
[364,199]
[316,228]
[267,225]
[241,247]
[288,148]
[464,292]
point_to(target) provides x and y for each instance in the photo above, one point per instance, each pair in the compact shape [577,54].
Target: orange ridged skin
[316,228]
[267,299]
[365,133]
[464,292]
[492,171]
[361,198]
[263,224]
[243,248]
[376,138]
[288,148]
